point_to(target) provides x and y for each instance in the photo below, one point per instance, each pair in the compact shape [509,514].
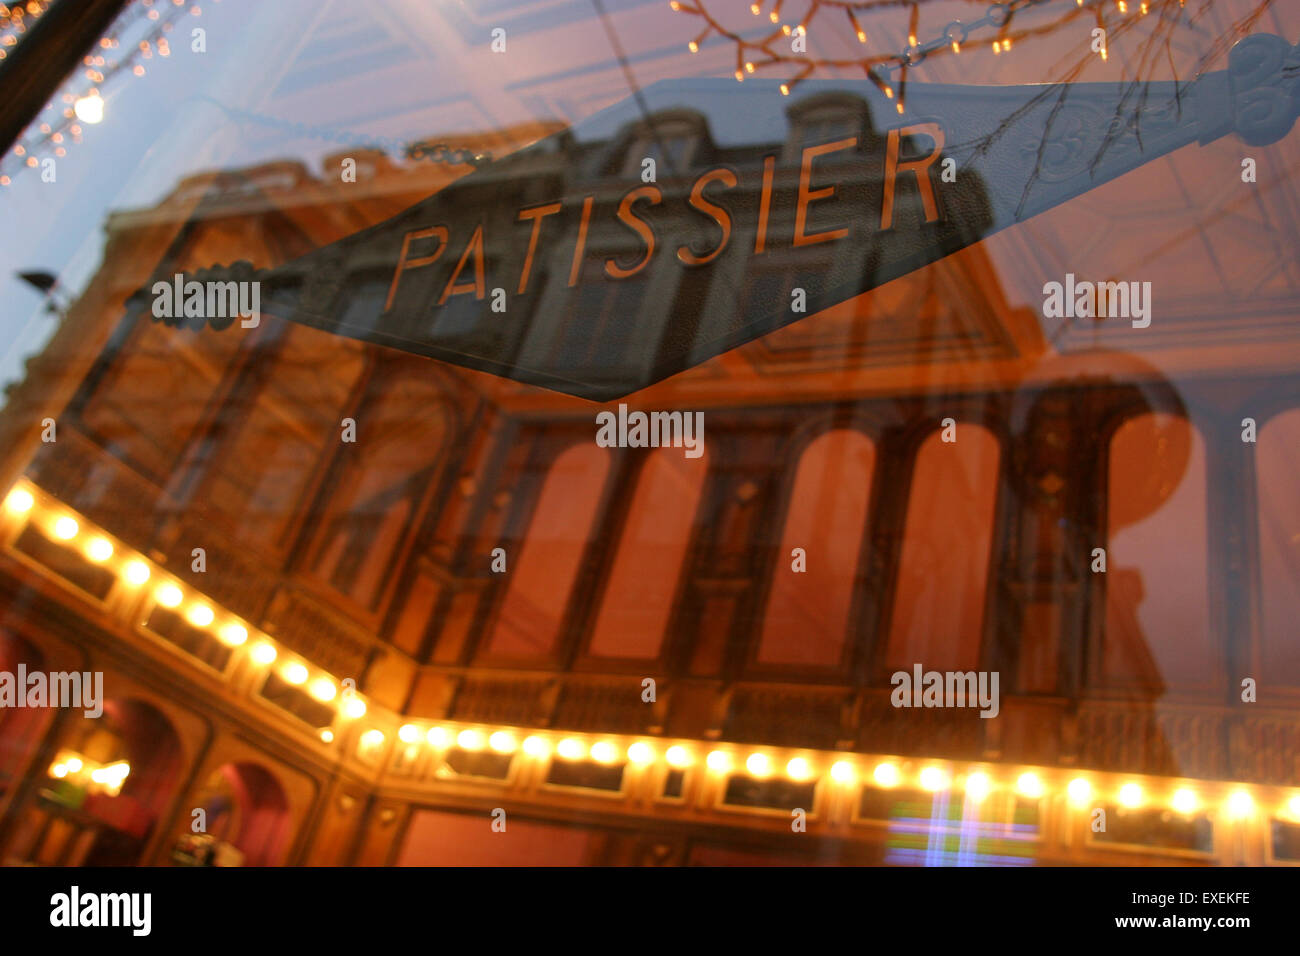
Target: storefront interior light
[978,786]
[200,615]
[169,595]
[678,756]
[99,549]
[19,501]
[758,764]
[234,634]
[719,761]
[135,573]
[294,672]
[843,772]
[1240,805]
[799,769]
[1029,785]
[933,779]
[570,748]
[263,653]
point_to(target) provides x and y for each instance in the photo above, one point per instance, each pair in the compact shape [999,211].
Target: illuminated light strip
[845,771]
[27,503]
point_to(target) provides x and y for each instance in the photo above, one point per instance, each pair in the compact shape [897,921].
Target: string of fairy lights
[81,102]
[15,20]
[888,71]
[26,505]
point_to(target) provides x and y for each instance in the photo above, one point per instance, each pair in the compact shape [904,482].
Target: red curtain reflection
[532,611]
[651,557]
[939,596]
[807,616]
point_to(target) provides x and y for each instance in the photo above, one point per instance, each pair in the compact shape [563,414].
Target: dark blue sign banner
[671,228]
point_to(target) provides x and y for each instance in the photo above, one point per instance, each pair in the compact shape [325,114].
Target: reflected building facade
[369,645]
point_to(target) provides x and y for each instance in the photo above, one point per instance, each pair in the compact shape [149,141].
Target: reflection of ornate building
[372,562]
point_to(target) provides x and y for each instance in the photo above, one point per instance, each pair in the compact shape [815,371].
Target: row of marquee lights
[136,571]
[933,776]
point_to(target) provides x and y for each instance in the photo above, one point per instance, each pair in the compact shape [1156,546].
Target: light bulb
[90,109]
[19,501]
[136,573]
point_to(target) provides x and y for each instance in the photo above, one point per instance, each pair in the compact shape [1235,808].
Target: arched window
[20,727]
[806,621]
[156,394]
[270,437]
[638,599]
[247,808]
[1157,611]
[542,575]
[943,572]
[1277,463]
[401,435]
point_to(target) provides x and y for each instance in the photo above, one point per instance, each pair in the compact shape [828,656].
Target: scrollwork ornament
[1264,71]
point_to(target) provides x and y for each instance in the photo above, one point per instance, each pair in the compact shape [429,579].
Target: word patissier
[469,274]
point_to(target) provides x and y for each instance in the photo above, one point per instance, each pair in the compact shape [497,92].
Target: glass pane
[652,414]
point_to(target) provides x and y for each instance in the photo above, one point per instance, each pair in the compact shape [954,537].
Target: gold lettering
[581,248]
[921,167]
[716,213]
[639,226]
[536,214]
[764,204]
[478,286]
[807,195]
[404,263]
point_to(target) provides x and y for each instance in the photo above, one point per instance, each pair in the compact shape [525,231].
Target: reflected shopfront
[359,568]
